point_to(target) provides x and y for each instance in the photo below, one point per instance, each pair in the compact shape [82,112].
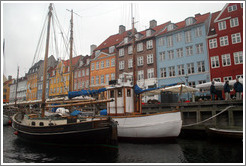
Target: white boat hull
[162,125]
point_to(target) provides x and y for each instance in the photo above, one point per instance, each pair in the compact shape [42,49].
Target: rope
[208,118]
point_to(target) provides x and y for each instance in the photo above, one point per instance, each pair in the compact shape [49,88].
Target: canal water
[183,150]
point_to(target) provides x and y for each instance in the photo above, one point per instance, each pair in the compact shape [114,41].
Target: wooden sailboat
[65,129]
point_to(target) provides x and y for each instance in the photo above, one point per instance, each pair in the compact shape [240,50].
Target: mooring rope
[208,118]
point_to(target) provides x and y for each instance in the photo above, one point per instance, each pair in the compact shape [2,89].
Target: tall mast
[134,62]
[46,59]
[16,85]
[71,54]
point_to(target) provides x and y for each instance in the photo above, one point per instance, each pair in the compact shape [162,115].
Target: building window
[198,31]
[199,48]
[188,38]
[180,70]
[234,22]
[121,65]
[213,43]
[226,60]
[215,62]
[102,64]
[140,61]
[150,73]
[238,57]
[149,44]
[162,56]
[130,50]
[139,47]
[150,59]
[169,41]
[97,80]
[192,84]
[148,33]
[92,66]
[201,81]
[236,38]
[200,66]
[87,83]
[87,72]
[171,71]
[239,76]
[121,52]
[107,63]
[140,75]
[189,51]
[126,40]
[102,79]
[112,76]
[170,27]
[107,79]
[92,80]
[163,72]
[130,63]
[79,75]
[241,4]
[111,49]
[224,41]
[217,79]
[222,25]
[161,41]
[97,53]
[83,73]
[180,52]
[179,37]
[190,68]
[228,78]
[232,8]
[83,84]
[97,65]
[170,54]
[189,21]
[112,62]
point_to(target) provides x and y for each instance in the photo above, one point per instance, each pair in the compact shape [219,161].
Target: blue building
[182,53]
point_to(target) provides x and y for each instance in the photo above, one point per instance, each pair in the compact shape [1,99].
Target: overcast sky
[22,24]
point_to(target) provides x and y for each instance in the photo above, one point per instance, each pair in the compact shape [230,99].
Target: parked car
[153,101]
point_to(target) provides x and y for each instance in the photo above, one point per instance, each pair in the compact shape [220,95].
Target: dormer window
[97,53]
[126,40]
[170,27]
[189,21]
[232,8]
[81,63]
[137,36]
[54,72]
[111,49]
[87,61]
[148,33]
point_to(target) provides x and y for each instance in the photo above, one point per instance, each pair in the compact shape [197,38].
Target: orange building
[59,77]
[6,91]
[102,70]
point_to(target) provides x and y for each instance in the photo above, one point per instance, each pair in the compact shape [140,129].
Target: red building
[225,43]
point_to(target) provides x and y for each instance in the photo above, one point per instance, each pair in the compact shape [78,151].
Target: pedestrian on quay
[227,91]
[238,87]
[212,90]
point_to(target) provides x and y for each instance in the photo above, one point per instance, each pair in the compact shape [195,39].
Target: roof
[212,29]
[74,60]
[180,25]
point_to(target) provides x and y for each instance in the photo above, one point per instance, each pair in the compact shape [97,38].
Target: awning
[206,86]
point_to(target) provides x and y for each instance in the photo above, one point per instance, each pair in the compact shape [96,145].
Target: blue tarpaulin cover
[139,90]
[54,109]
[75,113]
[85,92]
[103,112]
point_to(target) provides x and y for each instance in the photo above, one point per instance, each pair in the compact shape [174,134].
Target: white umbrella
[176,89]
[232,82]
[206,86]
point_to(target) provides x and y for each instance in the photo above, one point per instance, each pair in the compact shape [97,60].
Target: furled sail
[83,92]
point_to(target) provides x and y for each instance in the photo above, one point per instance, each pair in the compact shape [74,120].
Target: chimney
[93,47]
[122,29]
[198,14]
[152,23]
[9,77]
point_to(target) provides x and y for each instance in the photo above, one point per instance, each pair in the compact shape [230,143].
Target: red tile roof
[74,60]
[180,25]
[212,29]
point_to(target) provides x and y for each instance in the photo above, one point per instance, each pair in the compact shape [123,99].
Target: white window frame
[163,72]
[87,72]
[217,79]
[92,80]
[234,22]
[222,25]
[112,62]
[169,41]
[149,44]
[190,68]
[200,66]
[239,76]
[130,50]
[150,73]
[140,61]
[130,63]
[150,59]
[107,63]
[238,57]
[189,51]
[232,8]
[170,54]
[140,75]
[227,78]
[180,52]
[198,31]
[226,59]
[162,56]
[102,79]
[199,48]
[181,69]
[102,64]
[224,41]
[92,66]
[161,41]
[121,52]
[111,49]
[236,38]
[213,43]
[112,76]
[215,61]
[188,37]
[139,47]
[179,37]
[171,70]
[121,65]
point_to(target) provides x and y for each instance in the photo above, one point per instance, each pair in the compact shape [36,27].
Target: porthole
[41,124]
[33,123]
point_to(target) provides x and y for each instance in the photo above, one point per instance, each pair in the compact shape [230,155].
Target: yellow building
[6,90]
[59,78]
[102,70]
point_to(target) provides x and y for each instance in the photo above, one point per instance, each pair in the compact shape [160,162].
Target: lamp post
[186,78]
